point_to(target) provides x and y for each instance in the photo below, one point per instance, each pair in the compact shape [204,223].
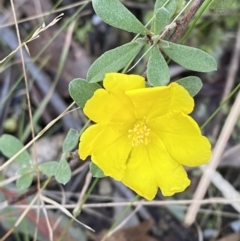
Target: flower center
[139,133]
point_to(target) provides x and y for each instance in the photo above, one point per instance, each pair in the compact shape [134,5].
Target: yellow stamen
[139,133]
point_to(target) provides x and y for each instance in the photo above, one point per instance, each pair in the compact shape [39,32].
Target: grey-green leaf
[112,61]
[70,141]
[162,18]
[96,171]
[49,168]
[170,5]
[220,6]
[81,90]
[24,182]
[63,172]
[192,84]
[180,6]
[114,13]
[24,170]
[10,145]
[188,57]
[157,69]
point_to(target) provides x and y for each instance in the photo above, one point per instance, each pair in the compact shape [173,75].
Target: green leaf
[188,57]
[220,6]
[162,18]
[63,172]
[24,182]
[157,69]
[10,145]
[70,141]
[114,13]
[192,84]
[81,90]
[180,5]
[48,168]
[96,171]
[24,170]
[170,5]
[113,61]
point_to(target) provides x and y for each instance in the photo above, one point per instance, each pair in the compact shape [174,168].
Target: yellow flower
[143,135]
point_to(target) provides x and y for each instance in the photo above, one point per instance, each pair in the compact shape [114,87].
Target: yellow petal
[158,101]
[104,107]
[182,138]
[115,82]
[88,139]
[170,175]
[109,148]
[111,104]
[139,174]
[150,166]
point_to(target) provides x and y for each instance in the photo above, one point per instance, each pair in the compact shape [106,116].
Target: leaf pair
[188,57]
[158,74]
[114,13]
[61,170]
[10,145]
[157,68]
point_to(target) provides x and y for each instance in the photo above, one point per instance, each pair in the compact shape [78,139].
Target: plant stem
[183,23]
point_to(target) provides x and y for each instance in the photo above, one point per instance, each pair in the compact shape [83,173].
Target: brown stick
[183,23]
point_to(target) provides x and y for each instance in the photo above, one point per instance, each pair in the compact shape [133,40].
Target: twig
[219,200]
[183,23]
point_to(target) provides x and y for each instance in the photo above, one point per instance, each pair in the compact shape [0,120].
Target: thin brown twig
[219,200]
[183,23]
